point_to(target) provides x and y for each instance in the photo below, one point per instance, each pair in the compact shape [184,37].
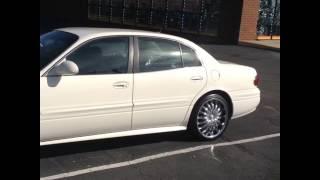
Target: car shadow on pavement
[113,143]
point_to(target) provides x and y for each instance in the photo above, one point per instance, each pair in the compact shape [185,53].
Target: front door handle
[196,78]
[120,85]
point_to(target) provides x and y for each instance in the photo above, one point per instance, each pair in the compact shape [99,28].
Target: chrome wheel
[212,118]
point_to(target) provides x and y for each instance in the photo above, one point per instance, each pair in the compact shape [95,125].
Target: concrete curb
[259,46]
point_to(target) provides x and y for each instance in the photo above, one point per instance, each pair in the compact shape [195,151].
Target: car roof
[87,32]
[82,31]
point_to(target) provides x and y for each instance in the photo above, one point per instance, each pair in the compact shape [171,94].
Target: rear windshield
[52,44]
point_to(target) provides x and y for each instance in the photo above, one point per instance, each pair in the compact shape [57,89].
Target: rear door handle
[196,78]
[120,85]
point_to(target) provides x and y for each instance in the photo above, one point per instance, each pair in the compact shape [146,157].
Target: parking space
[249,160]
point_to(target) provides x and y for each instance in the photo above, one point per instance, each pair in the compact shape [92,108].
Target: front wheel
[210,117]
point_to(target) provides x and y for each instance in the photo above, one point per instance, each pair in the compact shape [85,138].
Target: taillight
[256,80]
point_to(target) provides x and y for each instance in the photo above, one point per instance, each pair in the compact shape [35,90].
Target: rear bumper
[245,102]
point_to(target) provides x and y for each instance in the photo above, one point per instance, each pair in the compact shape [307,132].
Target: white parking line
[156,156]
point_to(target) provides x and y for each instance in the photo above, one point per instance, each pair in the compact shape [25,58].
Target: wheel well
[221,93]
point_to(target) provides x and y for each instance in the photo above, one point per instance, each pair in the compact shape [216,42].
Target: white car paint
[80,108]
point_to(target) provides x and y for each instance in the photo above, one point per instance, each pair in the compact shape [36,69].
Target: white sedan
[98,83]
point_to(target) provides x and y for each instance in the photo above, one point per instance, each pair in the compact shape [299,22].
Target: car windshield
[52,44]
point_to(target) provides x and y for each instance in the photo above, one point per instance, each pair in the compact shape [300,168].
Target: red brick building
[249,20]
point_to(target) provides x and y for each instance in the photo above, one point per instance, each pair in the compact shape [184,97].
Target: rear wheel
[210,117]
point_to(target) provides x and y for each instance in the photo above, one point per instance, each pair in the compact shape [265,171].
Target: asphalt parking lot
[117,158]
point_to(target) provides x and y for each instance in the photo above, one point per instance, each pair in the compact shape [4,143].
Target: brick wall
[249,19]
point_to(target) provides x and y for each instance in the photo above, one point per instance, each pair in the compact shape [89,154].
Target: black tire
[199,118]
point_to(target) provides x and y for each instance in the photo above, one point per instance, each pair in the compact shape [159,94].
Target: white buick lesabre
[100,83]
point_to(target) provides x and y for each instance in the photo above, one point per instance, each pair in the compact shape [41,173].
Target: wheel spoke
[204,127]
[212,105]
[203,123]
[202,118]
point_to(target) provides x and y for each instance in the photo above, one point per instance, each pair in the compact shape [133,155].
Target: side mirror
[65,68]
